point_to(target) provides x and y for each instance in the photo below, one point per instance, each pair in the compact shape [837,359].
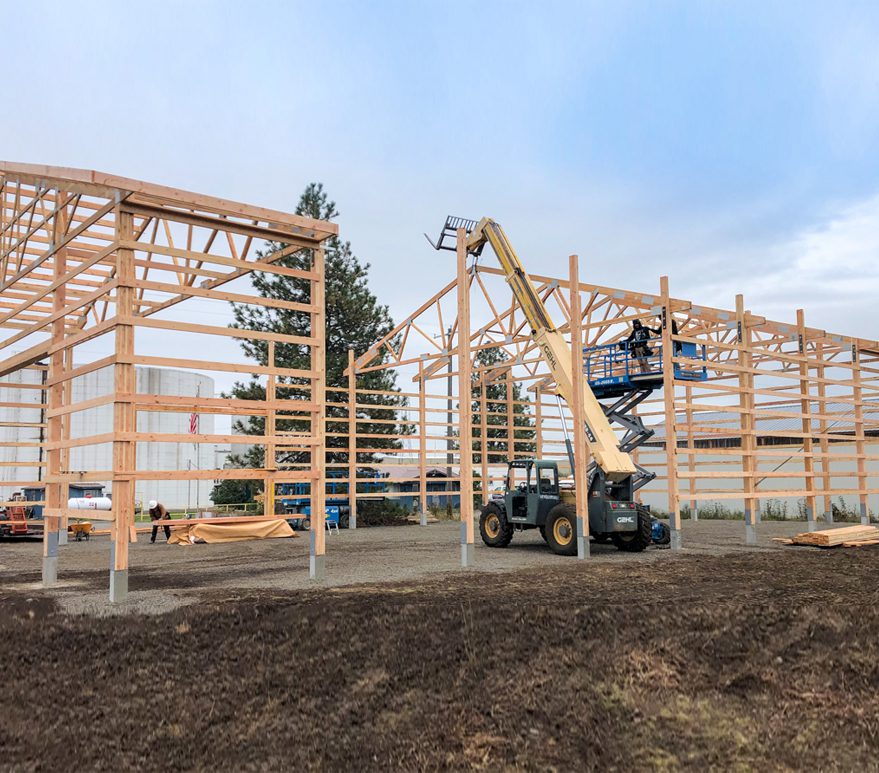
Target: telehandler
[540,501]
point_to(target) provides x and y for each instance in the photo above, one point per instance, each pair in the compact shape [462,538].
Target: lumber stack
[845,536]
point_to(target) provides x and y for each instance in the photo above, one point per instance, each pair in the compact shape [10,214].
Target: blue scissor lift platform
[622,379]
[614,370]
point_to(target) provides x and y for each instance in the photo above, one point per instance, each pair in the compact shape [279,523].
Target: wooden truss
[786,410]
[87,257]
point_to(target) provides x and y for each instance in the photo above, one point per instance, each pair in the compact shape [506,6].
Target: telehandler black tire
[542,532]
[494,528]
[561,530]
[638,540]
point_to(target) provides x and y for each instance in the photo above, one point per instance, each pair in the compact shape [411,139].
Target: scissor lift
[616,373]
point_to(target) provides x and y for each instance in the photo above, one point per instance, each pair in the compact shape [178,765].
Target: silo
[95,421]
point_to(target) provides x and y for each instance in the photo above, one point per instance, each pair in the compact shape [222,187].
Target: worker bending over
[158,513]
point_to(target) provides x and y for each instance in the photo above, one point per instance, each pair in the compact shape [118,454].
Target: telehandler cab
[539,502]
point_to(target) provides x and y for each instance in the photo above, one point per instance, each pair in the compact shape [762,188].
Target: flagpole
[193,430]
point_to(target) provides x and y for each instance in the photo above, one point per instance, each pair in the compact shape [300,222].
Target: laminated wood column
[635,454]
[124,417]
[65,452]
[54,498]
[317,534]
[746,420]
[581,449]
[511,416]
[465,417]
[822,429]
[668,394]
[483,437]
[352,441]
[538,424]
[691,456]
[806,409]
[857,393]
[271,457]
[422,445]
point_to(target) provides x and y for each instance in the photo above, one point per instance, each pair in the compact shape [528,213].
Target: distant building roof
[770,430]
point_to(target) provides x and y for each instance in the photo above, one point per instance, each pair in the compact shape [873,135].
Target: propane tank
[90,503]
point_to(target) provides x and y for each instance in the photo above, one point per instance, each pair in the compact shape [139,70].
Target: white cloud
[827,268]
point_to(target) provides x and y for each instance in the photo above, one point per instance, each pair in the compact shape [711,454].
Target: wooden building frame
[92,258]
[760,373]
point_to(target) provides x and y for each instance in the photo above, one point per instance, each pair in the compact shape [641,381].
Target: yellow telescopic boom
[603,443]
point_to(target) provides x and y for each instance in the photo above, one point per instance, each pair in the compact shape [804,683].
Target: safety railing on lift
[624,362]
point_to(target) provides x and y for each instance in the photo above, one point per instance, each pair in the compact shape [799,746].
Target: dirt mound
[757,660]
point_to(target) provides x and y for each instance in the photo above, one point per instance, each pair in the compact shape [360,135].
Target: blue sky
[732,146]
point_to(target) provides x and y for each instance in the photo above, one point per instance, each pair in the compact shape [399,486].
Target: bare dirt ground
[719,657]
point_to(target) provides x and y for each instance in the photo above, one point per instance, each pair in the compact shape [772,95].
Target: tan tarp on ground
[230,532]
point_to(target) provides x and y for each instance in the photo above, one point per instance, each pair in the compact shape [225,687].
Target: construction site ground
[720,656]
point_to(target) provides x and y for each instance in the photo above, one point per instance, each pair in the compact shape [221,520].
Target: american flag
[193,417]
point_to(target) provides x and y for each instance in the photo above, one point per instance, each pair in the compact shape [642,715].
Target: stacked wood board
[845,536]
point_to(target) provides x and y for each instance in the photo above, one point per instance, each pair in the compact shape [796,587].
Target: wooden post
[857,394]
[538,424]
[581,449]
[483,437]
[64,464]
[123,412]
[317,546]
[352,441]
[806,409]
[635,453]
[422,445]
[465,418]
[671,435]
[271,460]
[54,424]
[511,417]
[746,420]
[823,442]
[691,457]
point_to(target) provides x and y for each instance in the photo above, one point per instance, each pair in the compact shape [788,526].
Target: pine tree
[354,320]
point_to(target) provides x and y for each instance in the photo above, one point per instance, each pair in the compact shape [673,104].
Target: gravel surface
[163,576]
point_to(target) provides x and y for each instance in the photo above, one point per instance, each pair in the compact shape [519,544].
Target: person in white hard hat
[158,513]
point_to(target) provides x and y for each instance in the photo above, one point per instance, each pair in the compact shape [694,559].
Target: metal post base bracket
[317,569]
[675,543]
[50,571]
[750,534]
[467,554]
[118,585]
[583,548]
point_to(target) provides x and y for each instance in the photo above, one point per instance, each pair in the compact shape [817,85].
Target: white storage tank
[96,421]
